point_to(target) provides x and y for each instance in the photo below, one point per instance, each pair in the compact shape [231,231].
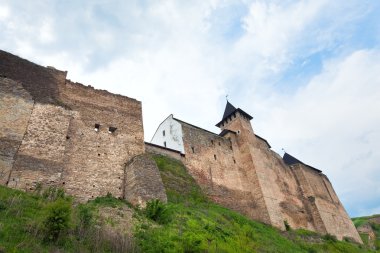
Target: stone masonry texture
[58,133]
[91,142]
[240,171]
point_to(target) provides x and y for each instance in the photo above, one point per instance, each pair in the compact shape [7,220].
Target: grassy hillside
[48,221]
[373,223]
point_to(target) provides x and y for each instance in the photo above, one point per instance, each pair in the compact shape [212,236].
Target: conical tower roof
[229,110]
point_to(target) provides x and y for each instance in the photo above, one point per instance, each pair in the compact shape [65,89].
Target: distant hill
[49,221]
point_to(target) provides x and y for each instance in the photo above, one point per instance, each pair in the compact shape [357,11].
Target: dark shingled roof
[290,160]
[230,109]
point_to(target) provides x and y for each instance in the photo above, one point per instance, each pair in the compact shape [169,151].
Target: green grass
[198,225]
[194,224]
[360,221]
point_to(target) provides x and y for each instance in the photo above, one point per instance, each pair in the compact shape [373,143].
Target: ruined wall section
[143,181]
[16,106]
[40,158]
[322,195]
[96,159]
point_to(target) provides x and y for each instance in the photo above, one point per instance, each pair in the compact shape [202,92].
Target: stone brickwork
[239,170]
[155,149]
[59,133]
[143,181]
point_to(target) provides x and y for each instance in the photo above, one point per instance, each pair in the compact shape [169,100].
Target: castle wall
[96,159]
[16,106]
[155,149]
[40,157]
[47,131]
[215,166]
[142,185]
[331,211]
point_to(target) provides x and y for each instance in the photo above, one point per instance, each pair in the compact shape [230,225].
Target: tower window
[97,127]
[234,160]
[111,129]
[231,147]
[192,149]
[165,144]
[163,133]
[215,157]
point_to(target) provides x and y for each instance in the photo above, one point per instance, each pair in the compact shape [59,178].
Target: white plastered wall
[173,135]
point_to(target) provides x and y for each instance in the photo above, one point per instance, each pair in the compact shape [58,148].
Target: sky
[307,71]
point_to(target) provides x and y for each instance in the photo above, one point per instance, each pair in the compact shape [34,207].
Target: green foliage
[58,214]
[85,216]
[51,193]
[329,237]
[287,226]
[157,211]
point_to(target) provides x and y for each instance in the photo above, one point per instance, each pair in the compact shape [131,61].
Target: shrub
[329,237]
[157,211]
[57,220]
[287,226]
[85,215]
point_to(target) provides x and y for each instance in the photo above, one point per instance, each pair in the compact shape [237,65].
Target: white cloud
[4,12]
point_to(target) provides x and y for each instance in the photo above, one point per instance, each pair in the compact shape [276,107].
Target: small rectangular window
[219,143]
[97,127]
[215,157]
[165,144]
[111,129]
[234,160]
[192,148]
[212,142]
[163,133]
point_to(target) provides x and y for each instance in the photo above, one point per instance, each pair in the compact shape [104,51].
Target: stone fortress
[54,132]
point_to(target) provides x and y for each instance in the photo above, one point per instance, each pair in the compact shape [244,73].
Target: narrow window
[219,143]
[111,130]
[212,142]
[97,127]
[215,157]
[165,144]
[231,147]
[234,160]
[163,133]
[192,148]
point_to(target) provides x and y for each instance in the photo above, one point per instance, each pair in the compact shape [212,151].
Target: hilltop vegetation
[371,224]
[49,221]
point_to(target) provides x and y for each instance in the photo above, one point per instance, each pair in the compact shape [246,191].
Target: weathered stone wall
[40,157]
[260,185]
[16,106]
[155,149]
[213,162]
[48,132]
[143,181]
[333,215]
[96,159]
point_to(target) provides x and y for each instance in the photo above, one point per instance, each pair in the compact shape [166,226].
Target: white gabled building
[169,134]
